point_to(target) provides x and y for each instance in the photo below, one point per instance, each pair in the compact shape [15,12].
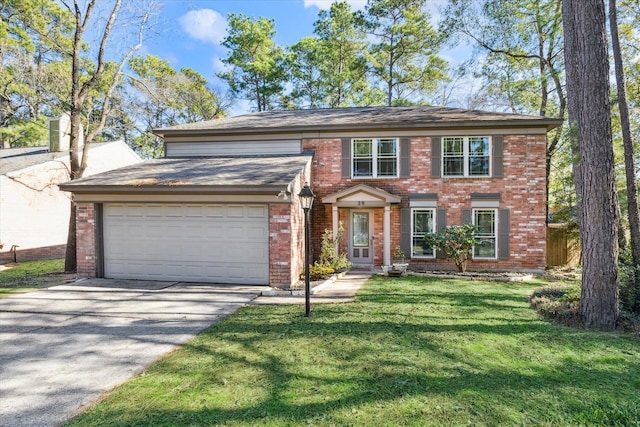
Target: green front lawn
[409,351]
[29,275]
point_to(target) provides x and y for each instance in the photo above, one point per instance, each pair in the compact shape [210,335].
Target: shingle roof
[249,174]
[15,159]
[359,118]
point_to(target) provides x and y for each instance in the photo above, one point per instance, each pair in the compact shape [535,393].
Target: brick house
[34,213]
[222,204]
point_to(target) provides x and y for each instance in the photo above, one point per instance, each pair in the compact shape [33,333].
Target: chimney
[60,134]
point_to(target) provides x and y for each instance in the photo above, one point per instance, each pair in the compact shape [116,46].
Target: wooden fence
[563,247]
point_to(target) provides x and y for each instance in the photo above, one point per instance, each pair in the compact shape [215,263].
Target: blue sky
[193,30]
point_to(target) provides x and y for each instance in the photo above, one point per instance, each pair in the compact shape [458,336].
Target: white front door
[361,237]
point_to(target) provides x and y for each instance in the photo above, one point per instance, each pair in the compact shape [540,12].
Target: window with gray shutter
[497,150]
[441,224]
[436,157]
[405,231]
[503,233]
[346,157]
[405,163]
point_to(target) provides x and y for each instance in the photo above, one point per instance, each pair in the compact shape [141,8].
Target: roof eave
[547,123]
[175,189]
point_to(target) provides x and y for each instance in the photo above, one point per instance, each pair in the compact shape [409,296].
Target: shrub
[328,258]
[456,241]
[559,302]
[629,288]
[319,271]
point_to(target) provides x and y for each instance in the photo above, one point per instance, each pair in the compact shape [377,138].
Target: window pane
[362,148]
[362,167]
[420,248]
[479,146]
[360,229]
[487,249]
[453,146]
[479,166]
[453,166]
[387,167]
[485,222]
[387,147]
[423,221]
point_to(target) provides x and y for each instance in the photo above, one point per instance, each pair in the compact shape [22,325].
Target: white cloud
[205,25]
[219,66]
[326,4]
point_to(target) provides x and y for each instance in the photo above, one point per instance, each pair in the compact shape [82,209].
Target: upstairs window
[375,158]
[466,156]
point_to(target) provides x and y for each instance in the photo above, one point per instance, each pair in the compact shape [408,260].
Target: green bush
[456,241]
[329,262]
[629,288]
[559,302]
[319,271]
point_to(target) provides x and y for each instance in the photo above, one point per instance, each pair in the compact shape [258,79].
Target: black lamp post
[306,200]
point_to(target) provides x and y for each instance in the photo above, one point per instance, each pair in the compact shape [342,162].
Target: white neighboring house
[34,213]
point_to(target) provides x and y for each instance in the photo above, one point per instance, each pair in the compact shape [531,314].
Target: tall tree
[344,70]
[587,69]
[633,214]
[165,97]
[305,63]
[404,51]
[86,75]
[524,66]
[257,71]
[32,77]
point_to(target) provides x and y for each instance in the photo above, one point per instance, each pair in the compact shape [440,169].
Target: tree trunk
[627,142]
[70,261]
[587,69]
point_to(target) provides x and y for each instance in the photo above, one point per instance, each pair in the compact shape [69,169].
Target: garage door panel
[204,243]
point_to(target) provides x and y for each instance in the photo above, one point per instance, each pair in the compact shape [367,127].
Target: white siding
[235,148]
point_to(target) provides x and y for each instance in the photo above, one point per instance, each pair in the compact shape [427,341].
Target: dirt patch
[41,281]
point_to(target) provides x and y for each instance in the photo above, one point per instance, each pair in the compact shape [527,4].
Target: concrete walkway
[63,347]
[343,289]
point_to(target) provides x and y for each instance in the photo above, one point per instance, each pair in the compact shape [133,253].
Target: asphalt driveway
[63,347]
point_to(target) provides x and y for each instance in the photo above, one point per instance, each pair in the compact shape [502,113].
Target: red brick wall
[32,254]
[280,245]
[86,240]
[286,238]
[522,192]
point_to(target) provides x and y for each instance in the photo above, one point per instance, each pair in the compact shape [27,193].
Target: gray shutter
[405,231]
[466,216]
[405,150]
[497,144]
[436,156]
[441,224]
[503,234]
[98,220]
[346,157]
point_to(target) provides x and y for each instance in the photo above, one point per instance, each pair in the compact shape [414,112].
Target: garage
[214,243]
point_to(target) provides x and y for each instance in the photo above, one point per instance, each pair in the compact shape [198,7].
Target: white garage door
[187,242]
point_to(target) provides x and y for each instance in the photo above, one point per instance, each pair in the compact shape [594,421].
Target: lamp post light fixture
[306,201]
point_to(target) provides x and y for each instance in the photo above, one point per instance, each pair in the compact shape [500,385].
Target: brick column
[86,239]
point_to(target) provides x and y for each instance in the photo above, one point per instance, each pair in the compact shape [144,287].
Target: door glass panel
[360,229]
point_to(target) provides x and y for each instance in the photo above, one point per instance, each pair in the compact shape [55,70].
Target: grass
[29,275]
[409,351]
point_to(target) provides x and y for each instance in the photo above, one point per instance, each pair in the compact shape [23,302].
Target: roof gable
[361,194]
